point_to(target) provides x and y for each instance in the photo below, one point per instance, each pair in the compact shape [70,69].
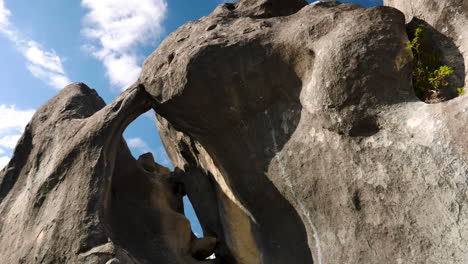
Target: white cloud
[123,70]
[117,28]
[4,161]
[48,60]
[57,81]
[9,141]
[138,144]
[43,64]
[13,120]
[12,124]
[4,14]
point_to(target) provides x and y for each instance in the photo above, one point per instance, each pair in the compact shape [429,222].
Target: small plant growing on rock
[439,77]
[429,75]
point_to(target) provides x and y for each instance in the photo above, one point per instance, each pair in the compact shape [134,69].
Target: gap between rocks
[140,149]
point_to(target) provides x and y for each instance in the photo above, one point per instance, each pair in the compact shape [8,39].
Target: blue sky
[47,44]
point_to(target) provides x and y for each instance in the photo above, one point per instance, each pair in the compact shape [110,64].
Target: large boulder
[293,128]
[73,193]
[299,138]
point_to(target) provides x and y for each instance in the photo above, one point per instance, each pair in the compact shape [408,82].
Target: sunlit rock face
[301,140]
[293,129]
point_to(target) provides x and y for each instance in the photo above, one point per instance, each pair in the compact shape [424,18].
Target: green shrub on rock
[429,75]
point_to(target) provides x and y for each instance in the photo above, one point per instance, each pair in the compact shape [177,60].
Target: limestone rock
[73,193]
[293,129]
[266,8]
[300,139]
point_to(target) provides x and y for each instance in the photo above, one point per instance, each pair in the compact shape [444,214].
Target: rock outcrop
[73,193]
[302,140]
[293,129]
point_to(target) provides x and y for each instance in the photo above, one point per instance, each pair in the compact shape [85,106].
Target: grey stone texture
[293,128]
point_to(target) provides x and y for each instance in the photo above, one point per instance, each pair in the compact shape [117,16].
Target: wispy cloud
[48,60]
[53,79]
[138,144]
[14,120]
[4,161]
[4,14]
[43,64]
[12,124]
[117,28]
[9,141]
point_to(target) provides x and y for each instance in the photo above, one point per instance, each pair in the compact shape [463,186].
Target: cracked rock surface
[293,128]
[73,193]
[302,140]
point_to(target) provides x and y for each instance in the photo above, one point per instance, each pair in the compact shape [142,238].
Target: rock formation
[293,129]
[73,193]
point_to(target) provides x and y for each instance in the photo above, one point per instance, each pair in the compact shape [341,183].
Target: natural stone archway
[74,194]
[293,128]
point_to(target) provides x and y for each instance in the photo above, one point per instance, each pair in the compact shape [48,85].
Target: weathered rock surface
[447,23]
[74,194]
[301,140]
[293,129]
[449,17]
